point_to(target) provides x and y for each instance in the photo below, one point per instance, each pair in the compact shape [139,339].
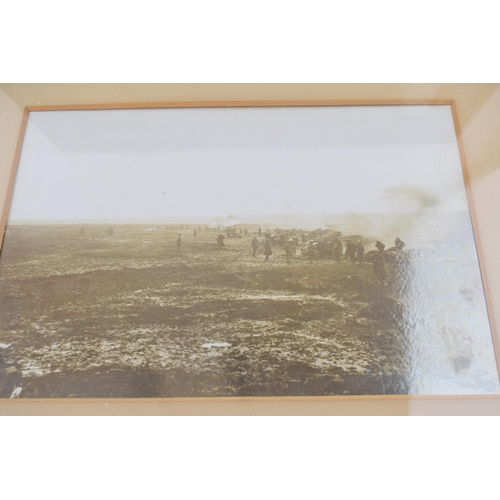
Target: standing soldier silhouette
[360,252]
[379,263]
[267,248]
[338,249]
[350,250]
[311,251]
[255,246]
[290,249]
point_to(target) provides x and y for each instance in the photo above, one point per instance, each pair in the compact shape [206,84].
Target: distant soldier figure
[379,263]
[290,249]
[195,233]
[330,248]
[255,245]
[110,231]
[399,245]
[260,231]
[311,251]
[267,248]
[220,240]
[179,243]
[379,267]
[338,249]
[350,250]
[82,230]
[360,252]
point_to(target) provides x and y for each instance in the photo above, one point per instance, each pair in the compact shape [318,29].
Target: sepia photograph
[242,251]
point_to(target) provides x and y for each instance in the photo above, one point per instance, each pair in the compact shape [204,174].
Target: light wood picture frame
[298,373]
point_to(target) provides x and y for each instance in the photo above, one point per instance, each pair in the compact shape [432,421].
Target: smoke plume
[410,198]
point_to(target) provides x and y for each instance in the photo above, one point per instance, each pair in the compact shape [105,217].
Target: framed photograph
[243,250]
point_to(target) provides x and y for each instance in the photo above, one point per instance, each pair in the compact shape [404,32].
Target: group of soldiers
[354,250]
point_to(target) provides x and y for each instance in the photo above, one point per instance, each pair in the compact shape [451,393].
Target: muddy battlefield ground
[126,315]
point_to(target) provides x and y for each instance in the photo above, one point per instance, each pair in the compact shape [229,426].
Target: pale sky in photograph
[168,163]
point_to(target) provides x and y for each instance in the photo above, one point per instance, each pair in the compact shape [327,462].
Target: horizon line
[205,218]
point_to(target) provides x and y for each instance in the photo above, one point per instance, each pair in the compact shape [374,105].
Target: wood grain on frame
[12,177]
[472,211]
[240,104]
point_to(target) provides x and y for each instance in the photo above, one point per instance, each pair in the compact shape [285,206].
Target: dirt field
[93,315]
